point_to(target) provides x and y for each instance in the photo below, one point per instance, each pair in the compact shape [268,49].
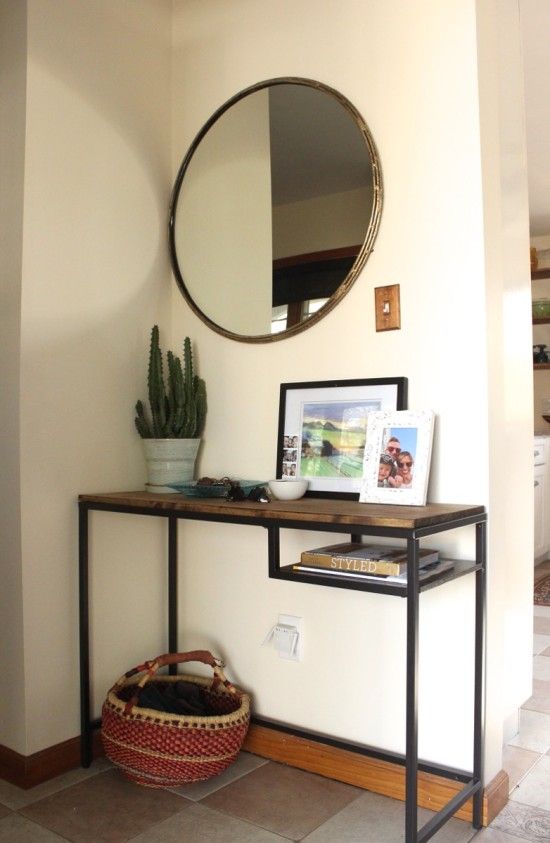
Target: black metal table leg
[273,550]
[172,589]
[411,785]
[479,702]
[83,609]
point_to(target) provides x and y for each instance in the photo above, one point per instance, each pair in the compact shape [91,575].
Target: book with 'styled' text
[425,574]
[358,558]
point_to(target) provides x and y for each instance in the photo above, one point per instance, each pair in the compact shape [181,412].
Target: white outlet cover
[293,620]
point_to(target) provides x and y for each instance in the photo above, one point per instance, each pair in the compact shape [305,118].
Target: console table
[409,523]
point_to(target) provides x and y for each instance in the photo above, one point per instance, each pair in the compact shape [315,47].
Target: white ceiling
[535,25]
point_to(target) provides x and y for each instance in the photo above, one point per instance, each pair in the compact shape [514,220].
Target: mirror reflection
[274,210]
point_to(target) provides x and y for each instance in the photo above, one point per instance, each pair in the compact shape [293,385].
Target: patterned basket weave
[159,749]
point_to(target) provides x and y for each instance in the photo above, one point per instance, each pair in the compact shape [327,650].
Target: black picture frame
[339,408]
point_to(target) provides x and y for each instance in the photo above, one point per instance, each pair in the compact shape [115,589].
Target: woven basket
[159,749]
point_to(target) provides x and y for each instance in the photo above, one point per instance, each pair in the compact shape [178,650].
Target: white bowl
[288,490]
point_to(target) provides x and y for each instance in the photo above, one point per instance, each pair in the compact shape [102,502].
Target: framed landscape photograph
[397,456]
[322,430]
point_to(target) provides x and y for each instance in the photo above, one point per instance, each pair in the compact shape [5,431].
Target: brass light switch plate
[387,307]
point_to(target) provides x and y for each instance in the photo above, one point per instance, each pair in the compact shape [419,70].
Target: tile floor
[258,801]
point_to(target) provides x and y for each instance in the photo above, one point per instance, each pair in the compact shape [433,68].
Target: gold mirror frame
[368,242]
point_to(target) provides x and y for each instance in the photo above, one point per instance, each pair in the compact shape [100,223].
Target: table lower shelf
[378,585]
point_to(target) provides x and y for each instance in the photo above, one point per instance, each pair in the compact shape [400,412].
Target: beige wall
[509,361]
[95,278]
[428,136]
[223,221]
[324,222]
[13,42]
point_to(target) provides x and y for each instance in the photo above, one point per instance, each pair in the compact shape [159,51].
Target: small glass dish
[219,489]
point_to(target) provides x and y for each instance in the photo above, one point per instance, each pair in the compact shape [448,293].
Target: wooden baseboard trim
[383,777]
[495,796]
[29,770]
[373,774]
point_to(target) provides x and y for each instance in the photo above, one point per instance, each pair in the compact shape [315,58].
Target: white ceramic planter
[169,461]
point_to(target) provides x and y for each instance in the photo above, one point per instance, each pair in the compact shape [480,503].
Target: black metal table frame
[472,781]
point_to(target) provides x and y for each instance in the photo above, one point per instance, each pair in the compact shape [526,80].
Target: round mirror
[275,209]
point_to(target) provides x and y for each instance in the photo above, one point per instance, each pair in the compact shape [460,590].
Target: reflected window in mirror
[279,318]
[283,317]
[276,207]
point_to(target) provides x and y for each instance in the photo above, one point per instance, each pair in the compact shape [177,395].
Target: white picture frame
[397,457]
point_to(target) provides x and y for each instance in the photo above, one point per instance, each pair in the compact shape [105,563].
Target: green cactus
[177,410]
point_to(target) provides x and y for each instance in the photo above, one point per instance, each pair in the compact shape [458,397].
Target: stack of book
[367,561]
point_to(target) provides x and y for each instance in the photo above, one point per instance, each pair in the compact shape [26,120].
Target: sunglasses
[404,464]
[393,450]
[237,493]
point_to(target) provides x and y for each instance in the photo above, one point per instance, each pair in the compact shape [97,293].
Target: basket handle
[150,668]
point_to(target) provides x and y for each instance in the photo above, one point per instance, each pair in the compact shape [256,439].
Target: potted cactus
[172,427]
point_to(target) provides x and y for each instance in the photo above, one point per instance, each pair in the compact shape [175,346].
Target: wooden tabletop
[308,509]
